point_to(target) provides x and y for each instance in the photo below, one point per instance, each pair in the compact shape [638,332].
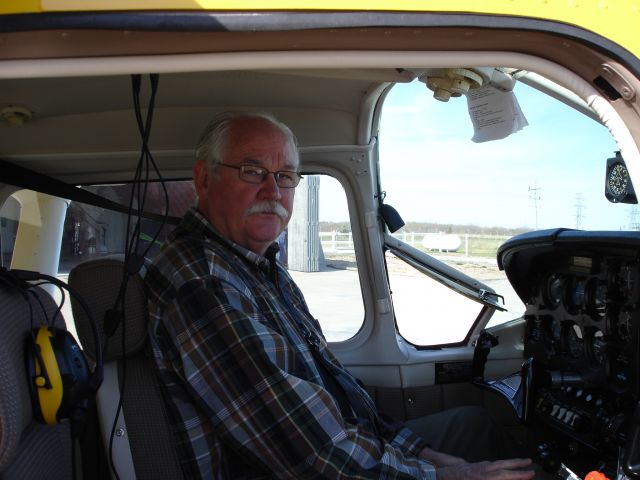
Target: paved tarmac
[335,299]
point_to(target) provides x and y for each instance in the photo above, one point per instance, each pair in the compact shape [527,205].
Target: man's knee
[467,432]
[470,417]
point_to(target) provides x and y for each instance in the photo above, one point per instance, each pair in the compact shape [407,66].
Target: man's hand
[440,459]
[499,470]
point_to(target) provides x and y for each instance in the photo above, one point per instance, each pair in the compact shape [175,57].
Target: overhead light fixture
[15,116]
[455,82]
[451,82]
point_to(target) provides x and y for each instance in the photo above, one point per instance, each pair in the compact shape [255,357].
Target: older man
[251,386]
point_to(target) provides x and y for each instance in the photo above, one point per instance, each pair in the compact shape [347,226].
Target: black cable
[111,437]
[74,436]
[122,382]
[133,260]
[44,310]
[1,246]
[49,323]
[62,300]
[145,162]
[149,160]
[145,131]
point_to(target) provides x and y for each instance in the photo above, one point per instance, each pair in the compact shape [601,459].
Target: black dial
[624,326]
[618,180]
[596,298]
[554,291]
[574,340]
[598,348]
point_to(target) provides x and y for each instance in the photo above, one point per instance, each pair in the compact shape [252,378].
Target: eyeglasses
[255,174]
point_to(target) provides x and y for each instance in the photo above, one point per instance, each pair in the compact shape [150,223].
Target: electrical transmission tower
[579,210]
[633,218]
[533,195]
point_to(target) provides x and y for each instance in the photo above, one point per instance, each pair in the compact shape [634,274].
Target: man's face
[230,203]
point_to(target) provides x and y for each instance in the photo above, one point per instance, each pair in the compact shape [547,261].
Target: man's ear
[201,178]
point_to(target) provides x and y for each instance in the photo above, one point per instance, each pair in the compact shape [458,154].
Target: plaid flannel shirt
[244,391]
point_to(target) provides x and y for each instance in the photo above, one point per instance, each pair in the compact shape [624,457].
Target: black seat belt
[24,178]
[350,400]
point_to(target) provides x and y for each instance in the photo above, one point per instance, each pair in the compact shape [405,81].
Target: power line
[579,210]
[533,195]
[633,218]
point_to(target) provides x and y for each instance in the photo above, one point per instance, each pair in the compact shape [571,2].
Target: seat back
[142,444]
[27,449]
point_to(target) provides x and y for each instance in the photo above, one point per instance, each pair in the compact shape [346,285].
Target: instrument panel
[582,297]
[582,318]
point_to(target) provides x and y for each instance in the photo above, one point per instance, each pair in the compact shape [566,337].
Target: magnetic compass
[618,187]
[618,180]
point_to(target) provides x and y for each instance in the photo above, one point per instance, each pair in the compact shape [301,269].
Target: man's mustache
[267,207]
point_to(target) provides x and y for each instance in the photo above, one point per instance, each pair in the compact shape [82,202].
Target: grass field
[478,246]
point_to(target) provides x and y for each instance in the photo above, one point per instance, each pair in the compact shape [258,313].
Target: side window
[316,247]
[91,232]
[9,216]
[461,200]
[321,258]
[416,297]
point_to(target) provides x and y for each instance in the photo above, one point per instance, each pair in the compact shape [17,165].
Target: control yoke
[515,388]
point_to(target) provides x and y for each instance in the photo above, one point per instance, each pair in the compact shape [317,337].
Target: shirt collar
[194,221]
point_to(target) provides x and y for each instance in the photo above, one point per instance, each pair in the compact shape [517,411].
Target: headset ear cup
[59,376]
[60,381]
[75,375]
[32,359]
[44,376]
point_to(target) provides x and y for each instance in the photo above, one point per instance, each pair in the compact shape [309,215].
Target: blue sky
[433,172]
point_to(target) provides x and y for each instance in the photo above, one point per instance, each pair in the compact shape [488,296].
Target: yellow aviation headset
[60,380]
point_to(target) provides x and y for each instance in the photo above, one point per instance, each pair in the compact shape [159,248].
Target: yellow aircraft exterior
[616,20]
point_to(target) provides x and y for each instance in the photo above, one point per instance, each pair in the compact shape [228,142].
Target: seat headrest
[98,282]
[18,320]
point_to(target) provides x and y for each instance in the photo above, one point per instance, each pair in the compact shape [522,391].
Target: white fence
[336,242]
[342,242]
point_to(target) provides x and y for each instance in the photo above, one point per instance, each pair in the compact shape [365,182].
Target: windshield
[461,199]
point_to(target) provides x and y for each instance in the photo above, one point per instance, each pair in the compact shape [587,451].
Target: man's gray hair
[213,141]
